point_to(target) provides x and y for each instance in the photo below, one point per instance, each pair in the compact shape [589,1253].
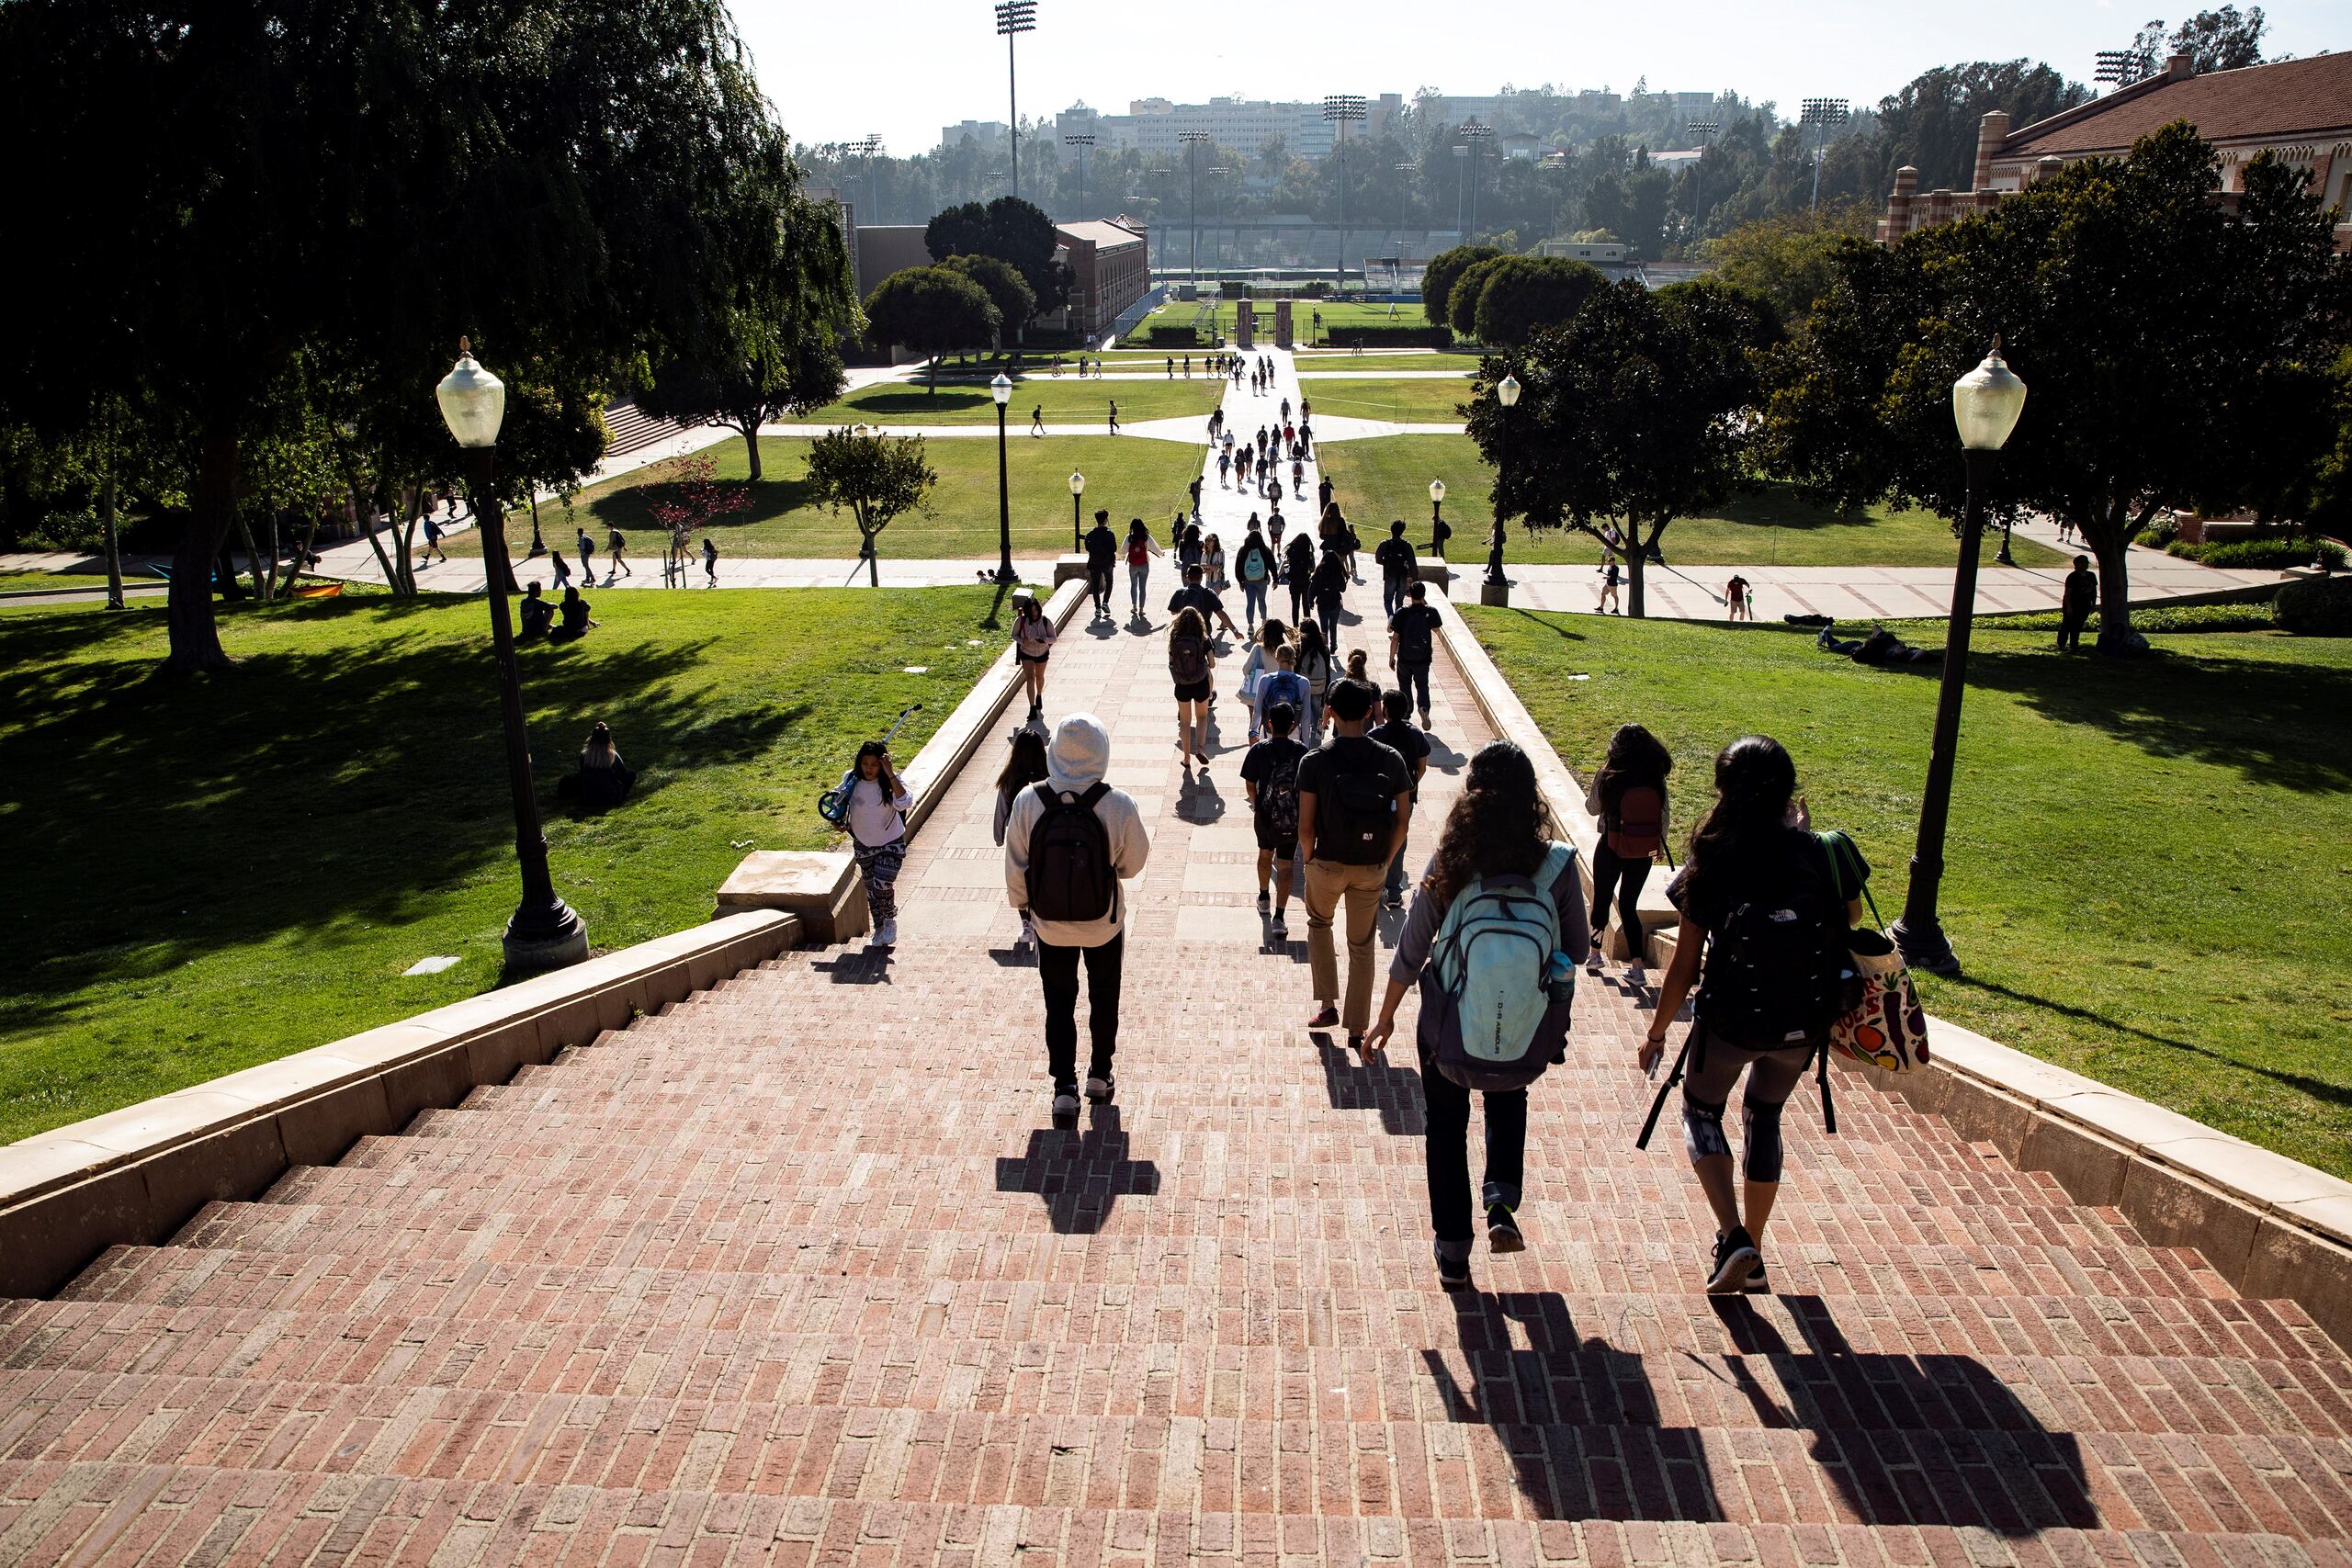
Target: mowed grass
[2147,866]
[19,581]
[1375,481]
[1134,476]
[1331,361]
[204,876]
[1067,401]
[1433,402]
[1219,316]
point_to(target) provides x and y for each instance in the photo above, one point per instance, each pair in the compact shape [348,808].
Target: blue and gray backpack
[1493,1000]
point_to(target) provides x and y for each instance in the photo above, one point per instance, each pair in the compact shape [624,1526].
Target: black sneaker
[1736,1260]
[1503,1234]
[1756,1285]
[1454,1273]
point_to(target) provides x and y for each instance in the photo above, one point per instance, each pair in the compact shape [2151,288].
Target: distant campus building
[1106,258]
[2300,109]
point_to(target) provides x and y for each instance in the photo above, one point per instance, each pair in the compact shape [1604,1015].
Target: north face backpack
[1637,827]
[1497,1020]
[1774,975]
[1071,874]
[1188,659]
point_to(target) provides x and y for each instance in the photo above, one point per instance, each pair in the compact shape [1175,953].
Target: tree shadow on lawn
[326,791]
[1775,504]
[2266,720]
[629,508]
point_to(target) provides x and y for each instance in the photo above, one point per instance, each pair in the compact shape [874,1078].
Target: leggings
[880,863]
[1614,873]
[1707,1091]
[1301,598]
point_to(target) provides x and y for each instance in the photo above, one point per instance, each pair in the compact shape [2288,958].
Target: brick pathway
[798,1271]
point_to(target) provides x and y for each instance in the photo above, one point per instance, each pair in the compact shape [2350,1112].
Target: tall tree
[572,181]
[1438,278]
[1523,294]
[1004,287]
[2224,39]
[1461,302]
[933,310]
[1012,230]
[2160,332]
[1787,257]
[877,478]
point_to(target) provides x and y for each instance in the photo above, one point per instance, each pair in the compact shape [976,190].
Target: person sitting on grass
[576,620]
[535,614]
[603,780]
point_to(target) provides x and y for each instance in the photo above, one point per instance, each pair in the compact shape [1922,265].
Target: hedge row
[2274,554]
[2316,606]
[1389,337]
[1163,336]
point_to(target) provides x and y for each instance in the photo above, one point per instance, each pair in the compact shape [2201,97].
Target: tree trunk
[194,635]
[934,376]
[302,554]
[2112,550]
[253,556]
[113,544]
[750,428]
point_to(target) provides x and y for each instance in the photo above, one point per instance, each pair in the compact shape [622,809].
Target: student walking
[1768,902]
[1351,809]
[1735,597]
[433,537]
[1197,595]
[1396,733]
[1330,584]
[709,562]
[1069,843]
[1024,766]
[1191,661]
[1212,563]
[1412,644]
[616,555]
[1114,416]
[1037,420]
[1224,470]
[1314,667]
[2076,599]
[1032,642]
[1499,846]
[587,547]
[1141,547]
[1440,532]
[1254,567]
[1102,558]
[1269,777]
[1298,571]
[1256,665]
[1627,799]
[559,571]
[1397,566]
[879,804]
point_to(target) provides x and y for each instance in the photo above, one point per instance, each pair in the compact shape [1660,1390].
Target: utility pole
[1013,18]
[1825,115]
[1341,109]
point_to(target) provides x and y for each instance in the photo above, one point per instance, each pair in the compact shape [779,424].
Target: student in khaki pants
[1353,816]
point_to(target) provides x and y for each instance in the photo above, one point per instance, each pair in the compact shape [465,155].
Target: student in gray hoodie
[1075,764]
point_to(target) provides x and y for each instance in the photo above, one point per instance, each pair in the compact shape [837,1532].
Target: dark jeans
[1613,873]
[1299,600]
[1445,1109]
[1392,594]
[1413,678]
[1058,967]
[1328,614]
[2070,628]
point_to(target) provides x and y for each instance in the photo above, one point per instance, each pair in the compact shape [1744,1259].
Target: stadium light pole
[1984,404]
[867,146]
[1404,188]
[544,933]
[1477,135]
[1083,141]
[1342,110]
[1461,168]
[1013,17]
[1192,141]
[1216,241]
[1825,115]
[1701,129]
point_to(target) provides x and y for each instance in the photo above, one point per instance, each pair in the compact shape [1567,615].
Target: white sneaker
[886,934]
[1099,1090]
[1066,1104]
[1592,959]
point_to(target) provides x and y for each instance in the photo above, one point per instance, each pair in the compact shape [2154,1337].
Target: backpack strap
[1839,851]
[1094,792]
[1649,1125]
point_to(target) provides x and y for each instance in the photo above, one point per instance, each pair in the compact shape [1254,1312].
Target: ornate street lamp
[1000,390]
[1437,506]
[544,933]
[1984,404]
[1077,488]
[1497,588]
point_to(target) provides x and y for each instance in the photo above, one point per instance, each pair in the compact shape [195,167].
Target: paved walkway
[799,1273]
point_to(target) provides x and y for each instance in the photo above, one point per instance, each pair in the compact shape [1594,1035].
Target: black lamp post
[1002,391]
[1077,488]
[2003,558]
[1496,589]
[1436,507]
[1986,404]
[544,933]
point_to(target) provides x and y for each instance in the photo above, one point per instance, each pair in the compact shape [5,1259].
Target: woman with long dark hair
[1628,800]
[1500,827]
[1768,902]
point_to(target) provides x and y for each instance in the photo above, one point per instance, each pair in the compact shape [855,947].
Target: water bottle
[1559,978]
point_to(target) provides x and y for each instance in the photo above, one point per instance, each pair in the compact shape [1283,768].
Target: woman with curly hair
[1500,827]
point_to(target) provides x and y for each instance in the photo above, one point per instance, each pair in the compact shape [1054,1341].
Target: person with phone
[877,820]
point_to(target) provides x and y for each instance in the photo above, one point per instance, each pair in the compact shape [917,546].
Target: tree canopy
[1524,293]
[1462,302]
[1438,278]
[933,310]
[877,478]
[1014,231]
[1012,295]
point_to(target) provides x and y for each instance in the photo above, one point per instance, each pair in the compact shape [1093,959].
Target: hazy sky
[906,67]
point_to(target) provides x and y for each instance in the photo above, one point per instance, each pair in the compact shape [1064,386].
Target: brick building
[2300,109]
[1111,267]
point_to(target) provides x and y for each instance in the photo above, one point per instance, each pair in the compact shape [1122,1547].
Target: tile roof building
[2299,109]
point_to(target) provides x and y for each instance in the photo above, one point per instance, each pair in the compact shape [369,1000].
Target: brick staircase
[799,1270]
[629,427]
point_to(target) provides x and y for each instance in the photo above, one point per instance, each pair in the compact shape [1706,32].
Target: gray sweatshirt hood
[1079,754]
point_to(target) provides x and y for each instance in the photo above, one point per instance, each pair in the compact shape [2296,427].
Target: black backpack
[1278,798]
[1071,874]
[1187,660]
[1774,974]
[1354,814]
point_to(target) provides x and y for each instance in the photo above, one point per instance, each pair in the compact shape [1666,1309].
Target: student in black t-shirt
[1412,644]
[1353,794]
[1102,555]
[1755,851]
[1397,567]
[1270,775]
[1399,736]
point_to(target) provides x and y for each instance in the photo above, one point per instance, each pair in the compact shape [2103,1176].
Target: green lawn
[1434,400]
[1132,475]
[1222,313]
[2147,866]
[1376,480]
[17,581]
[1067,401]
[204,877]
[1328,360]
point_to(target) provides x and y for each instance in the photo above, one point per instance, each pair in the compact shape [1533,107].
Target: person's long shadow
[1360,1082]
[1198,800]
[1586,1438]
[1079,1174]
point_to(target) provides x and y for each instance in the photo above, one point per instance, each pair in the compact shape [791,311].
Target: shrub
[2316,606]
[1184,336]
[2275,554]
[2160,534]
[1381,335]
